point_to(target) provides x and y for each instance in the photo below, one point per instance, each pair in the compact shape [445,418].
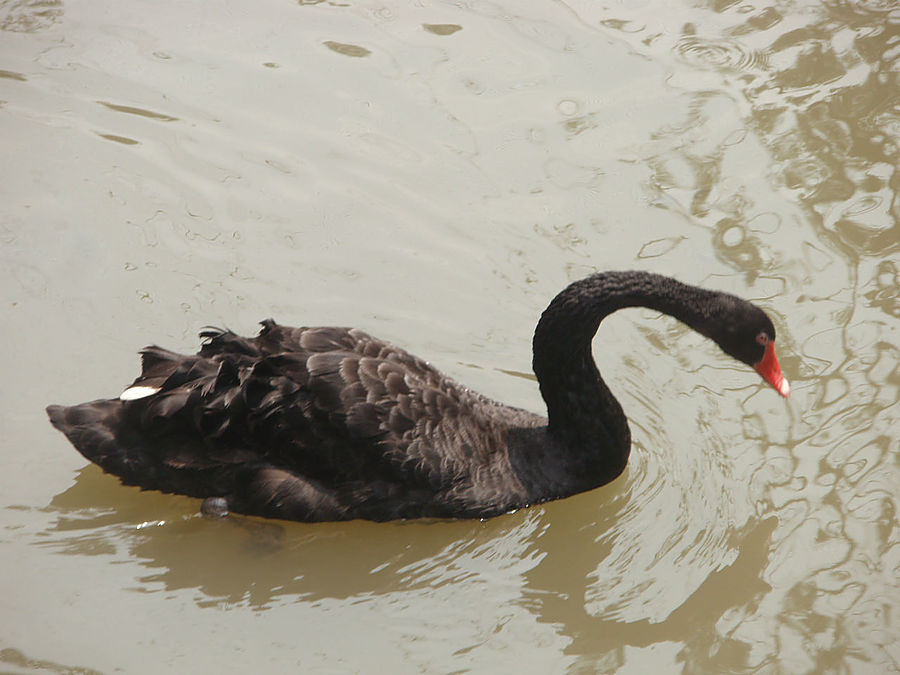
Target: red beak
[770,371]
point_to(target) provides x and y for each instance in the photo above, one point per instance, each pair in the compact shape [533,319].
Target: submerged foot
[264,536]
[216,507]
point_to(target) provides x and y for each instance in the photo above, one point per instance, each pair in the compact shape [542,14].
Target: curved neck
[581,410]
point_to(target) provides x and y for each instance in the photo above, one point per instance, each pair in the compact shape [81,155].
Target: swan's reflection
[544,561]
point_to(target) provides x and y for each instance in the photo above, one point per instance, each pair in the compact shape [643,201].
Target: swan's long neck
[582,412]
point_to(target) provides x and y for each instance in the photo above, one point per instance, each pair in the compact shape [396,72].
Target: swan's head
[746,333]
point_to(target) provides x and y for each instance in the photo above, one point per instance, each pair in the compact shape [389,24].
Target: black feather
[330,423]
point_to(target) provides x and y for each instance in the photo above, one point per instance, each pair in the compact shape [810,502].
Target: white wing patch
[134,393]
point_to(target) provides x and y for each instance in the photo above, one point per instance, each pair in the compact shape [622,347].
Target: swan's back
[305,423]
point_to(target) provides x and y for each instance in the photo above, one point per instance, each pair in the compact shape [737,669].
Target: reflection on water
[261,563]
[29,16]
[821,98]
[436,173]
[16,659]
[547,556]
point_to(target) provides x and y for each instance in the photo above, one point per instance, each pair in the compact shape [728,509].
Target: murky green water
[434,173]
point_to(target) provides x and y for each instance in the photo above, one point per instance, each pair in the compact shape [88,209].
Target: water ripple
[29,16]
[721,54]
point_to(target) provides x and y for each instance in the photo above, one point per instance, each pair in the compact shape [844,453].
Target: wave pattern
[435,172]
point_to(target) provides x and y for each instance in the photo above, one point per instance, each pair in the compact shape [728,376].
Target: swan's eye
[762,339]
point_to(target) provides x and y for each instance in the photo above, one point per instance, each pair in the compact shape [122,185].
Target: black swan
[332,424]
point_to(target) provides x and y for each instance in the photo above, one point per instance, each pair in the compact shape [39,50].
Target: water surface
[434,173]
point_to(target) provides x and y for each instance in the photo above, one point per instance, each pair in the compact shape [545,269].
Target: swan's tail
[143,437]
[100,431]
[91,428]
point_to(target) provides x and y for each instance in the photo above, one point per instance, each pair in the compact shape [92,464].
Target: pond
[434,173]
